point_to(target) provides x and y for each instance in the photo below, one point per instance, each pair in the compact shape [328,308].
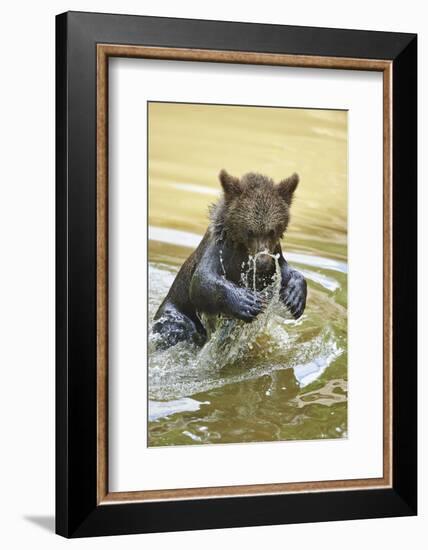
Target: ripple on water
[190,240]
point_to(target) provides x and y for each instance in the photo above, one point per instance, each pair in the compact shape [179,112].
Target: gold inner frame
[104,51]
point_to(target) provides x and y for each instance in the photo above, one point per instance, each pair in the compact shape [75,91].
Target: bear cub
[246,226]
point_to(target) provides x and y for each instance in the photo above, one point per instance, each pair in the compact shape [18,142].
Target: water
[276,378]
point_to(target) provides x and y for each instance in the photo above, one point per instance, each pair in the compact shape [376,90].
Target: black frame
[77,513]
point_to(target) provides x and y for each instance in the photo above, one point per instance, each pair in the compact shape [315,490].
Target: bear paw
[293,294]
[245,304]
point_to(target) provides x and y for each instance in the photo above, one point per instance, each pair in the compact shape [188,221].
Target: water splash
[178,372]
[230,340]
[238,351]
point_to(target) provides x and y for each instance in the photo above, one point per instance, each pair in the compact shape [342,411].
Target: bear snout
[264,262]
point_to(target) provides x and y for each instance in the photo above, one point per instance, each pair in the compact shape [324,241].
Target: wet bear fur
[250,219]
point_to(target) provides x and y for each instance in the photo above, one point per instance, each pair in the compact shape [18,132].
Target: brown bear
[244,235]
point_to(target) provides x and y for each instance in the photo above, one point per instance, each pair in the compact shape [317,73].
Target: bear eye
[250,234]
[271,233]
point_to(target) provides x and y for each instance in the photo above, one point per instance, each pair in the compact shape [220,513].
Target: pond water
[276,379]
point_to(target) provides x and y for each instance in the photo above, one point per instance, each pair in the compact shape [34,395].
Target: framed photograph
[236,274]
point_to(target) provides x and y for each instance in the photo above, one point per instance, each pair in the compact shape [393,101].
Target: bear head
[253,213]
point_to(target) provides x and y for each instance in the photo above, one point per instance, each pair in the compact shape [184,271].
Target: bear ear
[231,185]
[287,187]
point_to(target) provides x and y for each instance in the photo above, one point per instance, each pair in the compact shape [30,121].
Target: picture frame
[84,44]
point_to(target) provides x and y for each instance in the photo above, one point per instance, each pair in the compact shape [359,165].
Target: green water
[290,380]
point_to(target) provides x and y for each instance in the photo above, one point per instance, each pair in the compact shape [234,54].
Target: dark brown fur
[249,219]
